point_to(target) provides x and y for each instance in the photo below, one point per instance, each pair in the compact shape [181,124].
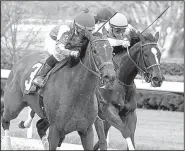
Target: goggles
[119,30]
[80,30]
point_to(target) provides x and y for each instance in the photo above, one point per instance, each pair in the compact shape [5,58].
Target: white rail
[177,87]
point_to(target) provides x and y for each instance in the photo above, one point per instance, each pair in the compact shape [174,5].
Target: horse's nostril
[106,77]
[113,78]
[155,78]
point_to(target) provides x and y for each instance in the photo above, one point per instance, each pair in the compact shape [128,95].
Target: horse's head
[100,54]
[151,55]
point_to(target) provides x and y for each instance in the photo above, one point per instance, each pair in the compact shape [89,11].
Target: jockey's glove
[75,53]
[126,43]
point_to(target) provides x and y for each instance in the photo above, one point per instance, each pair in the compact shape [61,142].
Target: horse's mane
[120,49]
[72,61]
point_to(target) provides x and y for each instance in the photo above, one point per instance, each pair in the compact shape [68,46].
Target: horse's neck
[88,62]
[128,70]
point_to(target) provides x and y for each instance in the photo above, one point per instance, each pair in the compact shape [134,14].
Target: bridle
[145,72]
[97,69]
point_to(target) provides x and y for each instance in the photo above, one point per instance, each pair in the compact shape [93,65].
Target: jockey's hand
[75,54]
[126,43]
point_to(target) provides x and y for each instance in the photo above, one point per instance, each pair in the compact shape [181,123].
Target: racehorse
[117,106]
[68,97]
[140,58]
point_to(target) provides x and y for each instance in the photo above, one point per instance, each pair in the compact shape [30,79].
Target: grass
[156,130]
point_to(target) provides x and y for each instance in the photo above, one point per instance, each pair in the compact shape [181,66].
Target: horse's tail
[2,107]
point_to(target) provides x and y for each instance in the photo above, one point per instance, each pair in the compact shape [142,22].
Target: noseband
[97,69]
[145,71]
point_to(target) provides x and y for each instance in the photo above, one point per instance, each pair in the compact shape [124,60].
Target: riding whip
[106,21]
[156,19]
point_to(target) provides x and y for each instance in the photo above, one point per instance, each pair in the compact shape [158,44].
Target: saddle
[34,73]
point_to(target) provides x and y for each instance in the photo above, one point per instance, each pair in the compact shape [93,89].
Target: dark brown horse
[68,96]
[117,107]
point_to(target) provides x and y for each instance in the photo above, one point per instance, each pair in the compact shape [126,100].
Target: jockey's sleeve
[61,50]
[54,32]
[116,42]
[61,41]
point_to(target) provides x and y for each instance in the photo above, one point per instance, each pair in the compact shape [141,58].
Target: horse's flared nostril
[106,77]
[156,79]
[109,79]
[113,78]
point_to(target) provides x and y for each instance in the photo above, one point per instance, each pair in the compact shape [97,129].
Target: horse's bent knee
[5,124]
[42,126]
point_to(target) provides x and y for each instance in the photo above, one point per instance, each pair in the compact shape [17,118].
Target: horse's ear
[156,37]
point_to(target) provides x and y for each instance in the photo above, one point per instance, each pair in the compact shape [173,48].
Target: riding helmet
[104,14]
[118,21]
[85,20]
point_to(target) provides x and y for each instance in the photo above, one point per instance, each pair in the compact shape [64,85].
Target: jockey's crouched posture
[118,31]
[61,36]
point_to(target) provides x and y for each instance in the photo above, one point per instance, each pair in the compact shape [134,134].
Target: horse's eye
[145,55]
[94,51]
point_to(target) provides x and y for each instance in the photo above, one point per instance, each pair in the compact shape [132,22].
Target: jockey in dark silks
[101,17]
[59,37]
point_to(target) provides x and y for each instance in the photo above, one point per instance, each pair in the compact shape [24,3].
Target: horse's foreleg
[53,138]
[87,139]
[60,141]
[13,105]
[6,125]
[42,126]
[114,119]
[104,132]
[102,143]
[131,120]
[27,123]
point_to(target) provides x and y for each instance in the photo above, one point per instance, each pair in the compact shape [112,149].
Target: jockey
[101,17]
[61,36]
[119,32]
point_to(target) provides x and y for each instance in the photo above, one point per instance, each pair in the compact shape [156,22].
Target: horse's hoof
[46,146]
[8,145]
[45,143]
[21,125]
[96,147]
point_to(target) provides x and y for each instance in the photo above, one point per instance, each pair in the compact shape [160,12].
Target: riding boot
[39,79]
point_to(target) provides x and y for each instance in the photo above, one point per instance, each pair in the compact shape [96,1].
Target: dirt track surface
[156,130]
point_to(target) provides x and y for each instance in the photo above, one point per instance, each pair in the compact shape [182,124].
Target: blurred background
[24,25]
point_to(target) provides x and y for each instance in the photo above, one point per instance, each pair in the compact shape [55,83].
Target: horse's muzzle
[108,82]
[157,81]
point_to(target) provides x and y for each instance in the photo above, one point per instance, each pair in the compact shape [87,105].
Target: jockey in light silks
[59,37]
[118,31]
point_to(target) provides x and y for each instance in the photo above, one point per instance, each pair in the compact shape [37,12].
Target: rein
[97,69]
[144,71]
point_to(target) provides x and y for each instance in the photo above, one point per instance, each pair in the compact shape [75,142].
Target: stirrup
[39,82]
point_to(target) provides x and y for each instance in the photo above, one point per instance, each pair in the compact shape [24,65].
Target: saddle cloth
[33,73]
